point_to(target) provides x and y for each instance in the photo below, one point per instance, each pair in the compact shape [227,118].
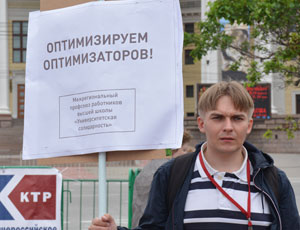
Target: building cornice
[27,4]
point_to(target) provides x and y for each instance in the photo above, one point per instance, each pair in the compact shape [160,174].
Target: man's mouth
[227,138]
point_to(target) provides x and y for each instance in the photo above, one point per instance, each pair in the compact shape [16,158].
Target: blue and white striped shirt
[207,208]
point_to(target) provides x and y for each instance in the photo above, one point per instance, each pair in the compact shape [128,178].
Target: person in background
[144,178]
[227,186]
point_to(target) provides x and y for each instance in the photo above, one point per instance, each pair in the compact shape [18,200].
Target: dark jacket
[157,215]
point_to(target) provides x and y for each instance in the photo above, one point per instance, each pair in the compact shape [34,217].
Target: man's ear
[250,125]
[201,126]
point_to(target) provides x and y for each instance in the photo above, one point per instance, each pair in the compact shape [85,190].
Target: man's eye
[238,118]
[217,118]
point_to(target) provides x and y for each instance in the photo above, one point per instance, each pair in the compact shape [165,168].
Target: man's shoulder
[186,156]
[258,158]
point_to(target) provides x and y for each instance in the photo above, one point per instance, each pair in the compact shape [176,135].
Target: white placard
[104,76]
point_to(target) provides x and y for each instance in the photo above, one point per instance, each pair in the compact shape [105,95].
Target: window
[190,114]
[189,28]
[19,41]
[190,4]
[189,91]
[188,58]
[298,104]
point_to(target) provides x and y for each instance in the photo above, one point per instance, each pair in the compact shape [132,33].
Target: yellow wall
[191,76]
[24,4]
[289,94]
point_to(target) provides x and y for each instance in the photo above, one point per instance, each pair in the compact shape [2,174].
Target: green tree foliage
[290,127]
[274,44]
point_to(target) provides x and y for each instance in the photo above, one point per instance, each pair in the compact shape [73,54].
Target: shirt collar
[240,173]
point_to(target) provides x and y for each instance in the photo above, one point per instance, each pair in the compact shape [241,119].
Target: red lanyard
[246,213]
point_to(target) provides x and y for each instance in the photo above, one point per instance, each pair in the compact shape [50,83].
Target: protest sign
[103,76]
[30,198]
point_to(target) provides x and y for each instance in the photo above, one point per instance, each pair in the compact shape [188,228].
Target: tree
[274,44]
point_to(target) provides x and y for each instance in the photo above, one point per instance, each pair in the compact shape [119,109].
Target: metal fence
[131,177]
[80,199]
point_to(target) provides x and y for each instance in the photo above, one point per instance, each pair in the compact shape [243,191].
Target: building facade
[16,24]
[191,14]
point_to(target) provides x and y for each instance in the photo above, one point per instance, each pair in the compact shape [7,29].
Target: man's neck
[224,162]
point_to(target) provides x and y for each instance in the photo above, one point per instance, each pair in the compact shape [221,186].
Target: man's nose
[228,125]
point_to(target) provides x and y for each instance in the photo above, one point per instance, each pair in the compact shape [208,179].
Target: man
[226,186]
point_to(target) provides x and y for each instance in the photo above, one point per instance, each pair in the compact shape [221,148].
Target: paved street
[290,163]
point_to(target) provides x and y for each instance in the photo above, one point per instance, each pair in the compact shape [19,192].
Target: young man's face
[225,127]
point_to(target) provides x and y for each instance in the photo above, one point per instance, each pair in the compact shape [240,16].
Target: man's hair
[239,95]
